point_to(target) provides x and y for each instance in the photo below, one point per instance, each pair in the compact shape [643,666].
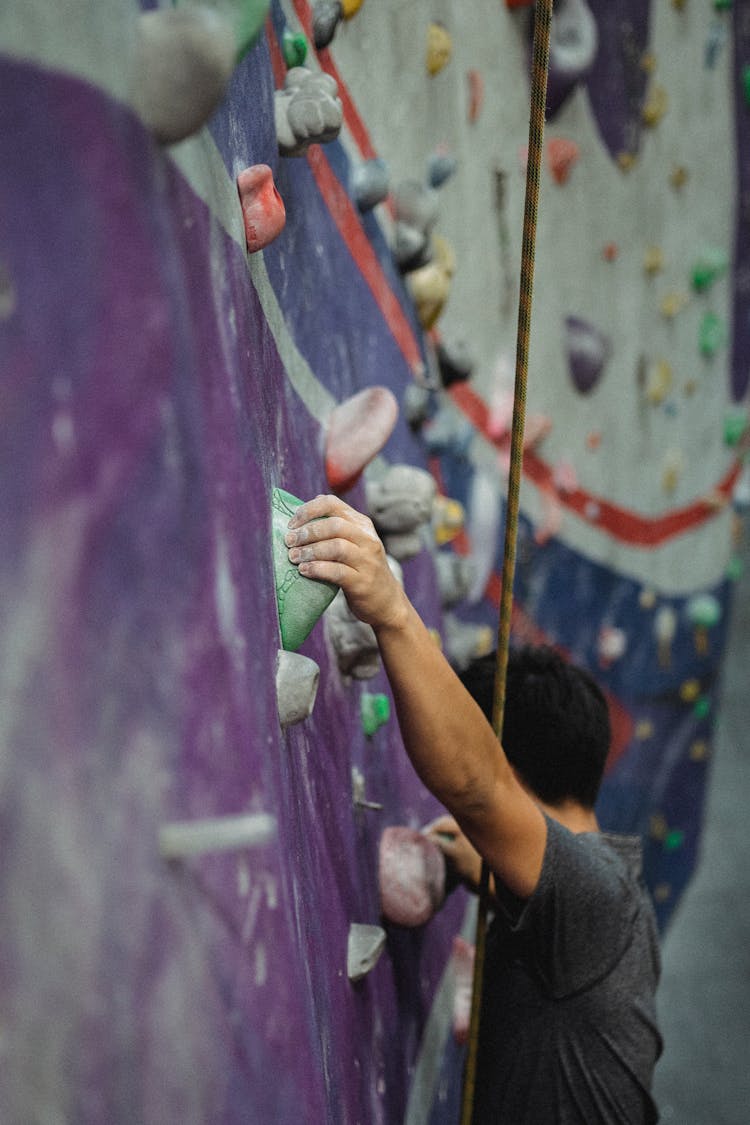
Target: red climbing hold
[263,210]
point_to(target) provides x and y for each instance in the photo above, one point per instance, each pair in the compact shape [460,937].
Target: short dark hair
[556,730]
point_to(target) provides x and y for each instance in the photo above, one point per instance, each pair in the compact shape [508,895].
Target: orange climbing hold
[562,155]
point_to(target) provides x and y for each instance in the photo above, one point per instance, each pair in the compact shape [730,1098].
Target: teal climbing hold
[375,710]
[300,601]
[702,707]
[674,839]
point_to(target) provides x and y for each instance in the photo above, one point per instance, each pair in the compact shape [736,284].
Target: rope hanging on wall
[539,69]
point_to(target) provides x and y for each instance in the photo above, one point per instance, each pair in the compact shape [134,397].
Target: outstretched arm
[450,743]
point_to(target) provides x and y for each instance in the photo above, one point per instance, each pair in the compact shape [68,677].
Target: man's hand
[462,856]
[330,541]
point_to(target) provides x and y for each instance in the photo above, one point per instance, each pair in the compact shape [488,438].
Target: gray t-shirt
[568,1033]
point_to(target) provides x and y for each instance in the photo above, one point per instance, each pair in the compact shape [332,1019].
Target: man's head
[556,724]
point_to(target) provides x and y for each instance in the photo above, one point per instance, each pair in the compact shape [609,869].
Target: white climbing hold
[365,945]
[218,834]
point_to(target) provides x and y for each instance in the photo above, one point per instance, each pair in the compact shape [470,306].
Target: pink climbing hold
[476,94]
[358,429]
[263,210]
[561,156]
[462,963]
[411,875]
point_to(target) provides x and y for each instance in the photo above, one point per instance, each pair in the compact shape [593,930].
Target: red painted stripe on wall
[622,524]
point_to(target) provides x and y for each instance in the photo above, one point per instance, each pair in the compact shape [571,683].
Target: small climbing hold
[184,59]
[588,350]
[350,8]
[673,303]
[699,750]
[735,427]
[715,40]
[709,267]
[357,430]
[307,111]
[702,707]
[690,690]
[741,490]
[440,167]
[648,62]
[659,382]
[399,503]
[647,598]
[745,81]
[565,477]
[364,947]
[657,826]
[703,612]
[293,47]
[678,177]
[626,161]
[375,711]
[370,183]
[465,641]
[673,467]
[454,577]
[735,568]
[416,404]
[610,250]
[326,16]
[653,260]
[593,440]
[353,641]
[439,48]
[673,840]
[448,432]
[655,106]
[430,285]
[665,627]
[456,362]
[476,95]
[300,601]
[562,156]
[644,729]
[448,518]
[412,248]
[611,645]
[711,334]
[462,965]
[411,876]
[297,679]
[263,211]
[358,793]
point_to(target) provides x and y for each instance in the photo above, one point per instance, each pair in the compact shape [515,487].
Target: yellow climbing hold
[655,106]
[672,303]
[653,260]
[644,729]
[690,690]
[699,751]
[439,48]
[350,8]
[659,382]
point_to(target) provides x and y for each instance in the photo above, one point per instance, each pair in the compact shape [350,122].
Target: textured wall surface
[158,382]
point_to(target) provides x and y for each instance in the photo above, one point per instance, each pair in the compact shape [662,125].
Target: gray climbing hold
[326,17]
[184,59]
[370,183]
[399,504]
[297,679]
[307,111]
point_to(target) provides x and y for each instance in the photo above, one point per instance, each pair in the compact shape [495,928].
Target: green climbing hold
[745,78]
[711,334]
[300,601]
[735,424]
[735,568]
[722,5]
[712,264]
[375,709]
[249,23]
[293,48]
[674,839]
[702,707]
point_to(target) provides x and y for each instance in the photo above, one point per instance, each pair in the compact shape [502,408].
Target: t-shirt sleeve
[580,919]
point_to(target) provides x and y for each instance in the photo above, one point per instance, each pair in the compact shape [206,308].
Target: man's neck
[577,818]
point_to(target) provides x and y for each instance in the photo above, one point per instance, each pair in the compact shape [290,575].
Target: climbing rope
[539,69]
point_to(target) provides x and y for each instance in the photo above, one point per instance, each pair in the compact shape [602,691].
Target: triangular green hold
[300,601]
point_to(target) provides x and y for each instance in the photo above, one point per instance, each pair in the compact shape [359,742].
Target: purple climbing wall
[158,383]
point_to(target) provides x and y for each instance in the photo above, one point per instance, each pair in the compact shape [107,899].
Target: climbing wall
[190,907]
